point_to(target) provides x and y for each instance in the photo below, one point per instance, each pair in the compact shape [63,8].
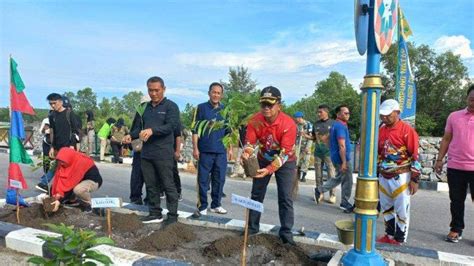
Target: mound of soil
[124,223]
[262,249]
[34,216]
[168,238]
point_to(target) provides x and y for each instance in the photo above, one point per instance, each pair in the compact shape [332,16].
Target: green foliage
[187,115]
[333,91]
[438,79]
[241,101]
[85,100]
[240,80]
[71,248]
[130,101]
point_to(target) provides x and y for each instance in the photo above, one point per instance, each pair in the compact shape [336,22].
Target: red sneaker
[388,240]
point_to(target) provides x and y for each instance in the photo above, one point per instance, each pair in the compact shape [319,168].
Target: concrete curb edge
[24,239]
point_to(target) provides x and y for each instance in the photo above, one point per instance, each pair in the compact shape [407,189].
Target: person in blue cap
[304,141]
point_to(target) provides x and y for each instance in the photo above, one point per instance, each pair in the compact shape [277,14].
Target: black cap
[270,95]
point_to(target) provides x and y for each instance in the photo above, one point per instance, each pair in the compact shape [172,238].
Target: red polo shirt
[276,141]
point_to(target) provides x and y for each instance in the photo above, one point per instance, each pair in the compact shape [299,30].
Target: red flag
[19,102]
[14,173]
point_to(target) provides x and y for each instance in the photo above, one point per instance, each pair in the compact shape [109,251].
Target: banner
[406,88]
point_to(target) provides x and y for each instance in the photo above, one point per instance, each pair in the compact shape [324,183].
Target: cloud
[458,44]
[292,57]
[186,92]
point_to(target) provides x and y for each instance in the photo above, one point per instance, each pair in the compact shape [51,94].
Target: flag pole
[17,190]
[397,73]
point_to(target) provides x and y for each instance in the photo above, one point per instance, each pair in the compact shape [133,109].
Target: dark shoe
[42,187]
[249,233]
[170,221]
[86,208]
[317,196]
[120,161]
[162,195]
[303,177]
[152,219]
[199,213]
[347,208]
[288,241]
[453,237]
[180,197]
[137,202]
[224,195]
[72,203]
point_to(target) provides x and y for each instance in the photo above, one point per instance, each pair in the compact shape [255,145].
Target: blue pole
[366,197]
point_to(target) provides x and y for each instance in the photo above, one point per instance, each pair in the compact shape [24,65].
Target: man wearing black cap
[273,134]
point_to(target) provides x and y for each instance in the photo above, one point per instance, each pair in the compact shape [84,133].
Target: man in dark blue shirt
[156,128]
[340,149]
[210,152]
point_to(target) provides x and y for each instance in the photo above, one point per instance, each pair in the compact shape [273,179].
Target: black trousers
[158,173]
[176,178]
[46,160]
[458,183]
[136,179]
[116,149]
[285,179]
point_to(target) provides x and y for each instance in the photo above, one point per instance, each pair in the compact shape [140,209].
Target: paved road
[429,223]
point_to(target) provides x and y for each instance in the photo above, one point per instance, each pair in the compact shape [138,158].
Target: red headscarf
[72,166]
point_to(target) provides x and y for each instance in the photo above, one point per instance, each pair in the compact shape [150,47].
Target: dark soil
[123,222]
[47,204]
[251,166]
[262,249]
[199,245]
[35,217]
[167,239]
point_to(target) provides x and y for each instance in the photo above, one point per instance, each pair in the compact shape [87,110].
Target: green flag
[15,77]
[17,152]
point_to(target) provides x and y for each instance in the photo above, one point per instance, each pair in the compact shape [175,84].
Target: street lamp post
[366,197]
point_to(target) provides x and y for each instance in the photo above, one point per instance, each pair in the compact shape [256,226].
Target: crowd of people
[283,146]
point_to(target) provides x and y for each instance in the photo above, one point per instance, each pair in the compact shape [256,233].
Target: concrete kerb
[24,240]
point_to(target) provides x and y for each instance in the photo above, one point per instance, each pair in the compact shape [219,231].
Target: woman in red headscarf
[75,173]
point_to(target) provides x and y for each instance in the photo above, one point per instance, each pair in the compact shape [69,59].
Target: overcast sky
[114,46]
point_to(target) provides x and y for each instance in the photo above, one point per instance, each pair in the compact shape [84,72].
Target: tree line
[441,82]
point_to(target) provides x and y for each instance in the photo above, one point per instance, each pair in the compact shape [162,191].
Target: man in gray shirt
[321,150]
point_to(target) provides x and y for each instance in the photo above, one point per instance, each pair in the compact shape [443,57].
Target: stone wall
[429,147]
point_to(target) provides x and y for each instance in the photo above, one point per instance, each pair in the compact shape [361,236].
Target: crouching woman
[76,177]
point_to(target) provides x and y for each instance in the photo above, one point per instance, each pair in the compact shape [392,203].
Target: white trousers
[394,197]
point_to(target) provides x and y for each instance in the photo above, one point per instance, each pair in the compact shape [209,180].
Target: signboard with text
[247,203]
[106,202]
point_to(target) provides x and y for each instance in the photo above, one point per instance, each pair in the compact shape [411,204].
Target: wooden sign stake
[17,207]
[109,223]
[243,259]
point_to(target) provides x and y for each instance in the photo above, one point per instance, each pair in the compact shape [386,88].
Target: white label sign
[106,202]
[16,184]
[247,203]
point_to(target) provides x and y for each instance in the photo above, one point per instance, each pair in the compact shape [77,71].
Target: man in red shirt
[399,171]
[272,134]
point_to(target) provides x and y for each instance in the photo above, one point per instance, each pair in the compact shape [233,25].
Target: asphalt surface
[430,215]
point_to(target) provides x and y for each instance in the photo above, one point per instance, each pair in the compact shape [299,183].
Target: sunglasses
[264,105]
